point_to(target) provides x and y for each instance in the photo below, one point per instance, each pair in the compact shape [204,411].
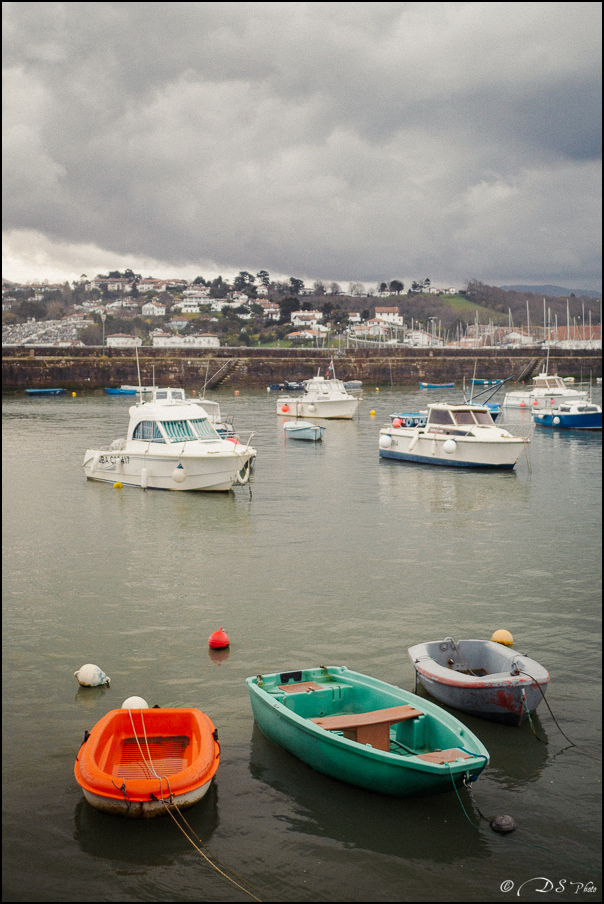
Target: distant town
[120,310]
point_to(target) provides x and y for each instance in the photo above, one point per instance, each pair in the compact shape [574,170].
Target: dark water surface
[335,557]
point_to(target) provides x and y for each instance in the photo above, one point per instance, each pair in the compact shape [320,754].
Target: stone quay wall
[89,369]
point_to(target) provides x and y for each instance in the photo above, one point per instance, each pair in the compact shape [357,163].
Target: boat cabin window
[203,428]
[148,431]
[179,431]
[441,416]
[484,417]
[464,417]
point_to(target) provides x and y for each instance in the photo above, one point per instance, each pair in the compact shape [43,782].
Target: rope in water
[171,804]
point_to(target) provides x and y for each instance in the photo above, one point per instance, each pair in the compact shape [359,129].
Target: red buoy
[218,639]
[397,422]
[285,408]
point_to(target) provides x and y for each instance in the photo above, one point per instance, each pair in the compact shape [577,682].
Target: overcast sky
[335,141]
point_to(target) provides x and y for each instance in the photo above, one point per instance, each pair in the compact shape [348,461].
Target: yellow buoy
[377,388]
[372,413]
[118,485]
[504,637]
[73,395]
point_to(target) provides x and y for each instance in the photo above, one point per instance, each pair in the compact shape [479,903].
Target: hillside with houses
[120,310]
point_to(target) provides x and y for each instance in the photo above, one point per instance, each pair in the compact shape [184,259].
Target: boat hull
[147,809]
[45,392]
[415,445]
[360,764]
[585,421]
[304,431]
[210,473]
[342,409]
[436,385]
[498,696]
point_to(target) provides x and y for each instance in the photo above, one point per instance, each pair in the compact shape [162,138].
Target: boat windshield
[484,417]
[441,416]
[203,428]
[148,431]
[179,431]
[464,417]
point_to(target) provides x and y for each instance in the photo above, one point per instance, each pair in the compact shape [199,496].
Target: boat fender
[285,409]
[91,675]
[244,474]
[385,441]
[311,407]
[556,420]
[144,478]
[449,446]
[414,440]
[134,703]
[179,474]
[398,422]
[95,462]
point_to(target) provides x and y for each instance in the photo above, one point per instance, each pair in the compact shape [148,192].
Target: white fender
[244,474]
[144,478]
[179,474]
[95,462]
[449,446]
[385,441]
[414,440]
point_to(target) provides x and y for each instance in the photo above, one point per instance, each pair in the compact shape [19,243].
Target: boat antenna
[473,378]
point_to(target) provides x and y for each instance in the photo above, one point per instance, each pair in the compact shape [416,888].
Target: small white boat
[323,398]
[303,430]
[463,436]
[481,677]
[171,445]
[546,392]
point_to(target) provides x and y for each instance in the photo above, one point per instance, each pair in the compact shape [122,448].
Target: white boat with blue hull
[571,416]
[462,436]
[171,445]
[547,391]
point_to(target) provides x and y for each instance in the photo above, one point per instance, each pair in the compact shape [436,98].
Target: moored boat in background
[323,398]
[455,436]
[547,391]
[45,392]
[571,416]
[303,430]
[436,385]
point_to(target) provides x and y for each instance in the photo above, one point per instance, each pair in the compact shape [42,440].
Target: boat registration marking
[113,459]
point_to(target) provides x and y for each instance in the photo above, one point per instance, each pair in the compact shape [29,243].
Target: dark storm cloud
[348,141]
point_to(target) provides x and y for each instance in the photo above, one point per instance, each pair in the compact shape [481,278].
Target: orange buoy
[218,639]
[397,422]
[236,392]
[522,404]
[285,408]
[535,402]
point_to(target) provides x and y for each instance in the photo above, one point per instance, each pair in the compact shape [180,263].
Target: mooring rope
[572,743]
[172,805]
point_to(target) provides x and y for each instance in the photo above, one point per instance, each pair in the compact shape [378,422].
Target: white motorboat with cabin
[171,445]
[322,398]
[547,391]
[463,436]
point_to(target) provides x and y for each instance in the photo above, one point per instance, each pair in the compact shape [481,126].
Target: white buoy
[91,675]
[135,703]
[449,446]
[385,441]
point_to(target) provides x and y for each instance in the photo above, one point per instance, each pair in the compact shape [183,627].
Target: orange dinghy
[141,762]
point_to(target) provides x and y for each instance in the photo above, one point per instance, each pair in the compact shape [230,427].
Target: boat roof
[463,406]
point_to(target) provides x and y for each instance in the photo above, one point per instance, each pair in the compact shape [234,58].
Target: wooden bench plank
[369,728]
[353,720]
[444,756]
[300,687]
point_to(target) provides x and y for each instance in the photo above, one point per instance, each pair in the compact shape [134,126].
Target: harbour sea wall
[88,368]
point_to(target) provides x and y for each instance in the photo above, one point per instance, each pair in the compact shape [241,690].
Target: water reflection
[322,806]
[146,842]
[219,656]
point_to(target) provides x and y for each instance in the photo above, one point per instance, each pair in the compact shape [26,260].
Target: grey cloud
[336,140]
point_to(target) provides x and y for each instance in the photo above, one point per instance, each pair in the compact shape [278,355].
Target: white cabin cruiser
[322,398]
[463,436]
[171,445]
[546,392]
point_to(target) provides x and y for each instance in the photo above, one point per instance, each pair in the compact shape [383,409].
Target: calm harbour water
[334,557]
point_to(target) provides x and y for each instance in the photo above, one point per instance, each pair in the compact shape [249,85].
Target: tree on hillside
[396,286]
[334,289]
[242,281]
[296,285]
[288,306]
[264,277]
[319,287]
[382,287]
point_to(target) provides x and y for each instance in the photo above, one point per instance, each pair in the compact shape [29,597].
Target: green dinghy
[366,732]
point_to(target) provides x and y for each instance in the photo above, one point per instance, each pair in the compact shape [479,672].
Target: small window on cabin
[148,431]
[203,428]
[441,416]
[179,431]
[178,393]
[464,417]
[161,394]
[484,417]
